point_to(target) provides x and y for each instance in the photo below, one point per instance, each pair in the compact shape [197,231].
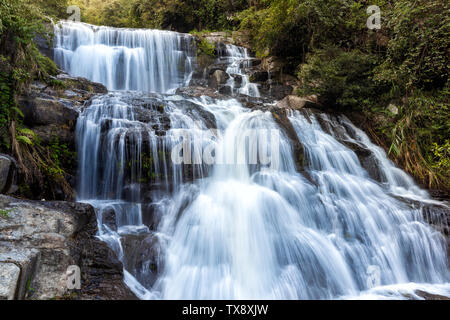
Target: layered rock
[40,240]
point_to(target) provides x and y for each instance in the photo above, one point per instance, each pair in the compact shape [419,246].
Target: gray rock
[218,78]
[42,239]
[8,174]
[40,111]
[9,277]
[295,103]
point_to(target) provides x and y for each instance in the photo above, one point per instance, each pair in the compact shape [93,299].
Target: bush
[341,79]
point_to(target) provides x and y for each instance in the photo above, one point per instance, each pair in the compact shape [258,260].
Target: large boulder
[218,78]
[41,111]
[8,174]
[296,103]
[43,239]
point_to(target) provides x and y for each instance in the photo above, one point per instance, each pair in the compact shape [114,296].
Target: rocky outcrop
[218,78]
[42,239]
[8,174]
[52,110]
[296,103]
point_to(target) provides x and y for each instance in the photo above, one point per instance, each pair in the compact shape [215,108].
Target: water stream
[230,229]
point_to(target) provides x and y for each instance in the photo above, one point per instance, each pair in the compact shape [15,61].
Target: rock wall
[40,240]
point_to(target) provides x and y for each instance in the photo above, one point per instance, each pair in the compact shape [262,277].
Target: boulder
[295,103]
[42,239]
[41,111]
[9,278]
[144,257]
[218,78]
[199,91]
[8,174]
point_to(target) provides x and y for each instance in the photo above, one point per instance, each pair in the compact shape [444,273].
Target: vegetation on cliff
[20,63]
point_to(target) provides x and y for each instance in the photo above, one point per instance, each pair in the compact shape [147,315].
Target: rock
[44,45]
[226,90]
[144,257]
[150,216]
[40,111]
[295,103]
[218,78]
[258,75]
[216,67]
[438,216]
[237,80]
[279,91]
[62,133]
[8,174]
[27,260]
[44,238]
[430,296]
[199,91]
[9,278]
[281,118]
[109,218]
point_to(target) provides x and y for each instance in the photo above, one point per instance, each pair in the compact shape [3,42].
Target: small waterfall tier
[125,59]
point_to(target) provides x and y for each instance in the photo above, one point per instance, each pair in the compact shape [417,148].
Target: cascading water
[229,229]
[124,59]
[238,58]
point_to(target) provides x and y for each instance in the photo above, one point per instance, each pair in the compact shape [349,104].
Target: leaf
[24,139]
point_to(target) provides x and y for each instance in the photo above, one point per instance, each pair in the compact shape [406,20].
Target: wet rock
[429,296]
[44,45]
[237,80]
[40,111]
[216,67]
[438,216]
[150,216]
[8,174]
[44,238]
[9,278]
[281,118]
[218,78]
[144,257]
[109,218]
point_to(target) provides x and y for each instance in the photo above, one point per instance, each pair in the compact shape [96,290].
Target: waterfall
[124,59]
[328,228]
[237,59]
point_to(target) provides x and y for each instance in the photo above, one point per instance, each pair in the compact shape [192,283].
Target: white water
[238,58]
[125,59]
[233,231]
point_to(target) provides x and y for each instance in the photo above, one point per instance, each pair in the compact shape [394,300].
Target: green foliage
[5,213]
[206,47]
[417,52]
[342,79]
[179,15]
